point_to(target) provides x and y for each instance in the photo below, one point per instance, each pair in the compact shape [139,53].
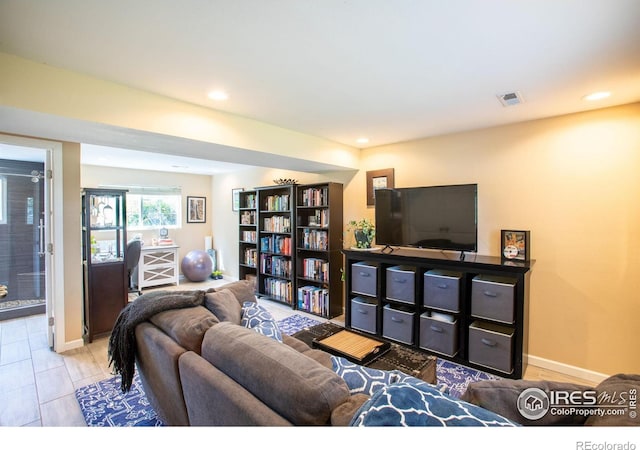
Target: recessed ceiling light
[362,140]
[597,96]
[218,95]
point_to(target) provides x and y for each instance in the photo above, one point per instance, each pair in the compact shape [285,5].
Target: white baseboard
[567,369]
[70,345]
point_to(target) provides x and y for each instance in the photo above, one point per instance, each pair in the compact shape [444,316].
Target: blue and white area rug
[104,405]
[292,324]
[452,378]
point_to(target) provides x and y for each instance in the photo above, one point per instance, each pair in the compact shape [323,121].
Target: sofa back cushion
[244,290]
[224,305]
[292,384]
[186,326]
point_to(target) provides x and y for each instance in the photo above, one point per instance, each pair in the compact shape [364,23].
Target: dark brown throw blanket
[122,342]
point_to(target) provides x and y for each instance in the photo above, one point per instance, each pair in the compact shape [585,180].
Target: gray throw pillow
[224,305]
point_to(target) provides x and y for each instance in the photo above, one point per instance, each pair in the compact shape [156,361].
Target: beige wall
[574,182]
[32,86]
[190,236]
[571,180]
[72,245]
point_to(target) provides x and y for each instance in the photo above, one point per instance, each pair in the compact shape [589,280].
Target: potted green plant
[364,231]
[216,274]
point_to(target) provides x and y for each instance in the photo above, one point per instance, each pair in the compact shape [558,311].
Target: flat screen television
[431,217]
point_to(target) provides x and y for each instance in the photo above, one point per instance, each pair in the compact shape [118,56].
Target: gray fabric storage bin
[442,290]
[397,324]
[493,298]
[438,335]
[491,345]
[363,315]
[401,281]
[364,278]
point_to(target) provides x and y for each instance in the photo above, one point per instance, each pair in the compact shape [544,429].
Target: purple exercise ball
[197,265]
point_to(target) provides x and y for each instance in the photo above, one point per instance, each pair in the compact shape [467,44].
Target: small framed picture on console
[515,245]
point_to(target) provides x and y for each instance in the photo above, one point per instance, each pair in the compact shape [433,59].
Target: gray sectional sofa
[200,365]
[201,368]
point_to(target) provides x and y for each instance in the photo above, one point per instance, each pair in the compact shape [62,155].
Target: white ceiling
[391,70]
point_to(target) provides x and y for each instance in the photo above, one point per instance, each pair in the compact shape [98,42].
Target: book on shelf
[250,201]
[314,197]
[251,257]
[280,289]
[249,236]
[277,202]
[279,266]
[248,218]
[315,269]
[277,224]
[276,244]
[313,299]
[314,239]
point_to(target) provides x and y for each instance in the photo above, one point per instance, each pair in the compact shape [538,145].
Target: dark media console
[473,310]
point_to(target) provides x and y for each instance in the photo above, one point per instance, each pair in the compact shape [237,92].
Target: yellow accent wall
[574,181]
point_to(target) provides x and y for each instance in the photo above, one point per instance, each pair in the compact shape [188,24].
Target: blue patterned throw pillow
[416,403]
[259,319]
[364,380]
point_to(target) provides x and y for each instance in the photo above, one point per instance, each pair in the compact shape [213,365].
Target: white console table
[158,265]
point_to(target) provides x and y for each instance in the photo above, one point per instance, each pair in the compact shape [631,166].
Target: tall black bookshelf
[248,235]
[276,237]
[318,249]
[290,243]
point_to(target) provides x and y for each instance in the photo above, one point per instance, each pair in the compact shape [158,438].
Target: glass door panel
[22,232]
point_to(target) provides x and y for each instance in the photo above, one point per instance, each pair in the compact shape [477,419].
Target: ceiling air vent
[511,98]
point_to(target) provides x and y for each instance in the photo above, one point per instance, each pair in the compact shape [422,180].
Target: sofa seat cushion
[295,386]
[186,326]
[320,356]
[417,403]
[224,305]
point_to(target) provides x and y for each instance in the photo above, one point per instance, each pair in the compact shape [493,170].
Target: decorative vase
[363,240]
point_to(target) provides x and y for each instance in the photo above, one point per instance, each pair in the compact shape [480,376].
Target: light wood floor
[37,385]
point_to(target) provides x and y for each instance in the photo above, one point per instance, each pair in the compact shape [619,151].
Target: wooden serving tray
[353,346]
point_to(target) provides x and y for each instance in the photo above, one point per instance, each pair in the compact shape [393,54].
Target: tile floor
[38,384]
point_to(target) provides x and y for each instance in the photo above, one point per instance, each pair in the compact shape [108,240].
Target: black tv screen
[434,217]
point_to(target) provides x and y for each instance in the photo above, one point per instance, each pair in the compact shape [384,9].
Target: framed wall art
[196,209]
[515,245]
[378,179]
[235,198]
